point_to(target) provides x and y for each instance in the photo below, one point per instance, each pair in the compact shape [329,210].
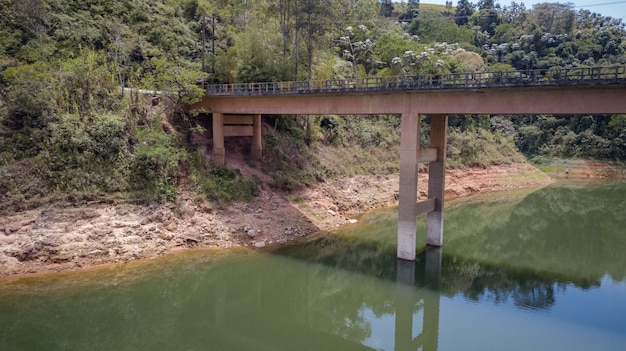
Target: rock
[185,210]
[206,209]
[252,233]
[189,241]
[331,212]
[119,225]
[145,221]
[352,221]
[121,211]
[259,244]
[98,234]
[29,252]
[172,227]
[333,208]
[166,236]
[132,239]
[160,216]
[94,253]
[13,227]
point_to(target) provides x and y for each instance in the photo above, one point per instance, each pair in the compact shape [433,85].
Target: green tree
[386,8]
[464,11]
[412,10]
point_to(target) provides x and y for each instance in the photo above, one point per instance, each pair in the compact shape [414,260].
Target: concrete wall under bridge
[588,98]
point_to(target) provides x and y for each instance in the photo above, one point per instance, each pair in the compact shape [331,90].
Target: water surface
[539,269]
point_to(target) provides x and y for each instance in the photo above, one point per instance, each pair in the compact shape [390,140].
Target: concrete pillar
[218,138]
[407,211]
[257,144]
[436,179]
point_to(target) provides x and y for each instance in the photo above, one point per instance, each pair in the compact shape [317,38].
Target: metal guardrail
[549,77]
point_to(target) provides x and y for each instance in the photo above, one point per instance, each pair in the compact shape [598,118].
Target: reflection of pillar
[436,179]
[432,274]
[218,138]
[405,305]
[405,273]
[432,269]
[409,144]
[257,147]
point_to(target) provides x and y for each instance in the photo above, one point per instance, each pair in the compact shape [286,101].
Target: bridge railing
[544,77]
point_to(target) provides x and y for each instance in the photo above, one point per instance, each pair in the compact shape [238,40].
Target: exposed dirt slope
[58,239]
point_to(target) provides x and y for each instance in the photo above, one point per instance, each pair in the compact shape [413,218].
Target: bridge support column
[407,211]
[436,179]
[257,144]
[218,138]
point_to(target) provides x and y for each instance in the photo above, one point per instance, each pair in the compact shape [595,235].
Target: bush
[480,147]
[224,184]
[87,155]
[158,163]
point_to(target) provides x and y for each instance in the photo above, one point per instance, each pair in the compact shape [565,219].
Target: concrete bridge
[237,110]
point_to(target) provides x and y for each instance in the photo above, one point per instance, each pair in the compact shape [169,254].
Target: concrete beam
[230,131]
[436,179]
[425,206]
[239,119]
[608,99]
[426,155]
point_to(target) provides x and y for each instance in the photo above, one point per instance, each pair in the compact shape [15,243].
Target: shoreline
[49,240]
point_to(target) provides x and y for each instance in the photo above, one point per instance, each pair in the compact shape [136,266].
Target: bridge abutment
[228,125]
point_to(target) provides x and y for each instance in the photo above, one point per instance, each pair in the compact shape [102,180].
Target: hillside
[68,132]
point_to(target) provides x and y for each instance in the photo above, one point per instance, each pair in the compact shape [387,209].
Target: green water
[541,269]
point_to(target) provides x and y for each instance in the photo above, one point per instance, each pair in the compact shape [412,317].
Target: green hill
[68,129]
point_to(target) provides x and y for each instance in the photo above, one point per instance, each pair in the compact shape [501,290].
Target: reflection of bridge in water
[416,295]
[237,109]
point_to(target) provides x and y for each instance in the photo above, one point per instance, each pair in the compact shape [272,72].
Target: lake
[536,269]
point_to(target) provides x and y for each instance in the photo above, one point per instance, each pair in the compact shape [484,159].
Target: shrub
[158,163]
[223,184]
[87,155]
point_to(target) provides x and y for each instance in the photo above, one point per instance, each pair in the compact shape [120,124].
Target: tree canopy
[64,65]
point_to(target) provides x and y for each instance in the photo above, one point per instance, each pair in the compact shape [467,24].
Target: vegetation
[69,126]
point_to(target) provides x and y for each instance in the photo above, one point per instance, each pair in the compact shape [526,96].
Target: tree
[486,5]
[464,10]
[36,20]
[412,10]
[554,18]
[487,20]
[386,8]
